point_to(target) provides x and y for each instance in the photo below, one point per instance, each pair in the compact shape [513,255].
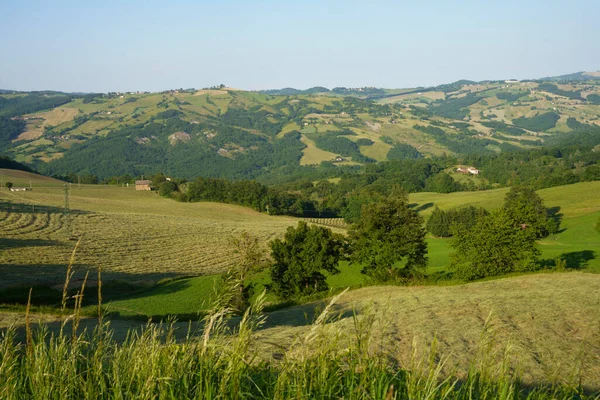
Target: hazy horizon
[139,46]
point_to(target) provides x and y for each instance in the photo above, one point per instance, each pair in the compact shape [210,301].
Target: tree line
[388,244]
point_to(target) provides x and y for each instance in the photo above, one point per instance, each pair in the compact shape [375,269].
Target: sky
[102,46]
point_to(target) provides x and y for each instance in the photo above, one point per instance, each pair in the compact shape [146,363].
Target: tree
[9,185]
[438,223]
[166,188]
[300,258]
[493,246]
[389,240]
[251,258]
[442,183]
[526,209]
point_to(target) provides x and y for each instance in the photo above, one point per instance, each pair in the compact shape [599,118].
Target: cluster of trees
[505,128]
[443,223]
[539,123]
[510,96]
[145,149]
[401,151]
[340,145]
[551,88]
[462,144]
[455,108]
[9,163]
[504,240]
[388,242]
[246,193]
[36,101]
[10,129]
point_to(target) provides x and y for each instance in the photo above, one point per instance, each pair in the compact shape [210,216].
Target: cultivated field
[132,235]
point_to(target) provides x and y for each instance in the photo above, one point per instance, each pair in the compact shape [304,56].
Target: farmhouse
[19,189]
[143,185]
[467,170]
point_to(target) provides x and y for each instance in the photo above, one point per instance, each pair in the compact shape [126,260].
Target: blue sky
[147,45]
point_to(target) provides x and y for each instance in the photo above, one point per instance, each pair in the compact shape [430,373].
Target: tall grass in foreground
[219,362]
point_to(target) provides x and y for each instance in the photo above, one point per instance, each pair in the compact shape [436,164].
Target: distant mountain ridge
[577,76]
[231,133]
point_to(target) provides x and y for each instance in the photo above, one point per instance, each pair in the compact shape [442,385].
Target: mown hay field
[547,326]
[133,236]
[549,323]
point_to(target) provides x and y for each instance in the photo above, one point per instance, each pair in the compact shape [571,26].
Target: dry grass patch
[54,117]
[131,235]
[550,328]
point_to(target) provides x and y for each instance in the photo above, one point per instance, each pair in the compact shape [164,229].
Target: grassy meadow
[161,258]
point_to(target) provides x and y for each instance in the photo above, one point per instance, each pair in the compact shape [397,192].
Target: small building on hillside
[19,189]
[467,170]
[143,185]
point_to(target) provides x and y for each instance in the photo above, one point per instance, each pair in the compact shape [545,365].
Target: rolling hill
[230,133]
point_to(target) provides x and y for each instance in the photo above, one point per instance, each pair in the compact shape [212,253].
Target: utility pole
[67,212]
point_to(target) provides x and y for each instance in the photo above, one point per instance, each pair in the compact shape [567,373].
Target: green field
[139,239]
[142,237]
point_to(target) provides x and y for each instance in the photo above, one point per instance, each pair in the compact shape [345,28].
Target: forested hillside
[288,134]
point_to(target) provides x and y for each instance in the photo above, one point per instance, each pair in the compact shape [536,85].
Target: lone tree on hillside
[389,240]
[9,185]
[493,246]
[526,209]
[302,256]
[250,258]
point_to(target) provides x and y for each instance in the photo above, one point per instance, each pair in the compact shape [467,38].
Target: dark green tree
[166,188]
[389,240]
[442,183]
[495,245]
[438,223]
[526,209]
[300,259]
[9,185]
